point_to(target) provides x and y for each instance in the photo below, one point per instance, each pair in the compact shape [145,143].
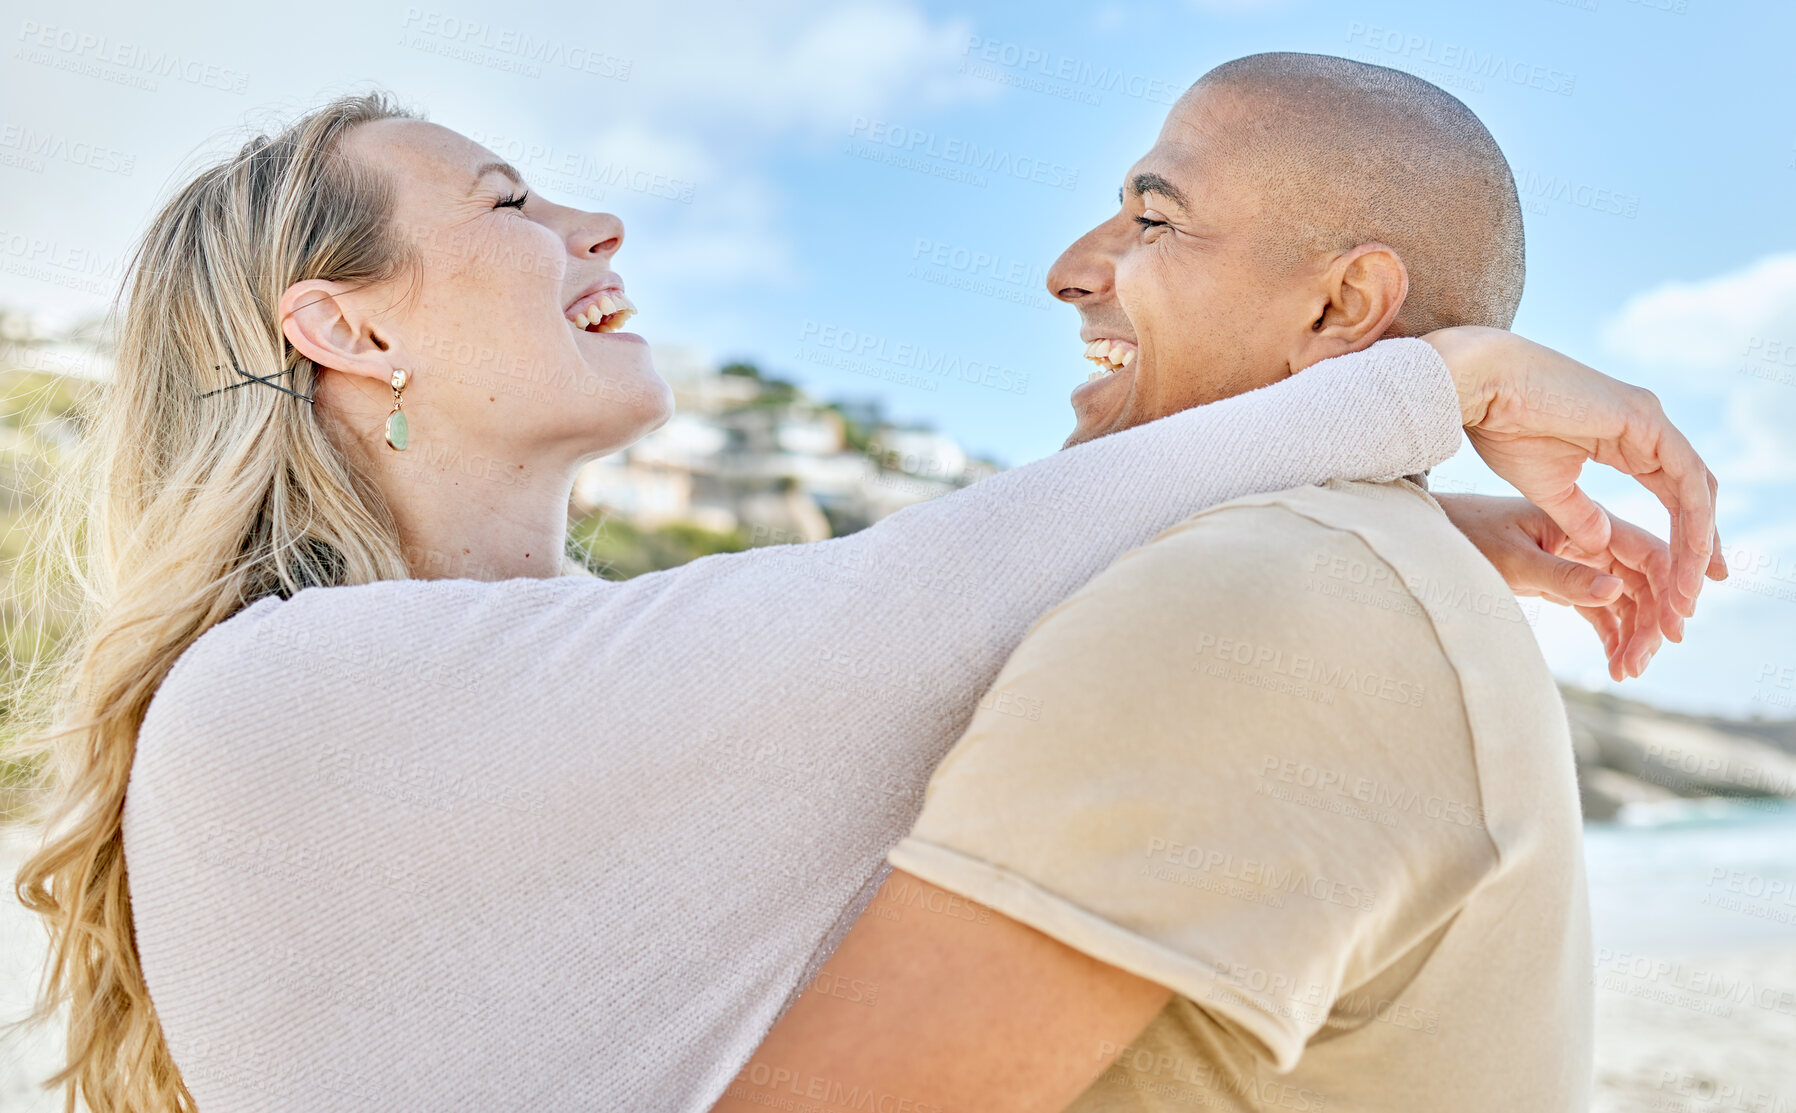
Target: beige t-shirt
[1300,760]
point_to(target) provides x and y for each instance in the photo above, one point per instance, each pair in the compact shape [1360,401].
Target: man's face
[1177,282]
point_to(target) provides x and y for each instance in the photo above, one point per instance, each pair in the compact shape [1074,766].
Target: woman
[509,835]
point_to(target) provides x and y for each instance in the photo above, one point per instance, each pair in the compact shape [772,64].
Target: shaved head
[1345,153]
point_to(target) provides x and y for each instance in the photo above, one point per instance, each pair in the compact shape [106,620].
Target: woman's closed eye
[512,202]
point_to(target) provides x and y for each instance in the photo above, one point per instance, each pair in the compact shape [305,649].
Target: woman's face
[496,359]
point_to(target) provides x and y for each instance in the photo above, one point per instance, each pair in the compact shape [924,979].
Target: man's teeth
[1110,356]
[609,313]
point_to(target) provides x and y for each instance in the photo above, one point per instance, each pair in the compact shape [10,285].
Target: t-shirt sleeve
[1236,763]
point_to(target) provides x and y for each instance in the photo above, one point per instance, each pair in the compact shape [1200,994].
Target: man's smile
[1110,354]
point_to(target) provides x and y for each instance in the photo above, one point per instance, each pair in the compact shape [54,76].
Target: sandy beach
[1697,1034]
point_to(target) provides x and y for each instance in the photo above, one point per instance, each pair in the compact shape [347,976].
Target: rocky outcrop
[1632,753]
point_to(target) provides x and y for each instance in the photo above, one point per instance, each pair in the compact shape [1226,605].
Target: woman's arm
[1383,412]
[908,621]
[897,630]
[1536,416]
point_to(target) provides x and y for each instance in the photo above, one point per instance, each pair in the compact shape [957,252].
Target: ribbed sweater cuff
[1422,384]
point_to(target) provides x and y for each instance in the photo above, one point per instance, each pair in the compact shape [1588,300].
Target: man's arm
[969,1010]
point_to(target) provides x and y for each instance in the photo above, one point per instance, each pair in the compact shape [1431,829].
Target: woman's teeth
[1110,356]
[608,314]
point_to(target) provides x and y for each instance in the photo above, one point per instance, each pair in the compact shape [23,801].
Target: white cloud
[1762,421]
[1711,324]
[803,67]
[1732,336]
[706,109]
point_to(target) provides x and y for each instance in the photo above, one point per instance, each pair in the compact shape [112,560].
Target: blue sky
[750,150]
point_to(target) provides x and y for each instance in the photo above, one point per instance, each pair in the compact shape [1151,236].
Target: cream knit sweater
[558,844]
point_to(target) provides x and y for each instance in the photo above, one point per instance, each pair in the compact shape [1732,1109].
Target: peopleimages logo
[918,143]
[486,44]
[119,60]
[913,357]
[985,273]
[1083,80]
[580,167]
[985,264]
[1465,59]
[1541,188]
[35,146]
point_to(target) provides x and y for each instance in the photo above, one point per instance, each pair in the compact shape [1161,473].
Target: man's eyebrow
[1153,183]
[504,168]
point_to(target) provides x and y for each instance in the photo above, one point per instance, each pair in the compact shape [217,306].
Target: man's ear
[1361,291]
[323,323]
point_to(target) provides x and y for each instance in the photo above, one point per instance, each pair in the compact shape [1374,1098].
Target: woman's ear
[323,323]
[1361,292]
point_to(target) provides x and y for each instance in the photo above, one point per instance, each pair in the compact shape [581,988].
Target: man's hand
[1617,590]
[1535,416]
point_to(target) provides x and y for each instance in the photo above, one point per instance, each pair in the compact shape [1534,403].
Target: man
[1278,812]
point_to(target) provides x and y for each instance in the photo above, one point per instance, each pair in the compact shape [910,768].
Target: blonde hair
[181,512]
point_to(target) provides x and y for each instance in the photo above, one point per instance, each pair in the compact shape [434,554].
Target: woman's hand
[1535,416]
[1617,589]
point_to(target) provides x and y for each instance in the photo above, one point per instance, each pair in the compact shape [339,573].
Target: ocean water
[1694,877]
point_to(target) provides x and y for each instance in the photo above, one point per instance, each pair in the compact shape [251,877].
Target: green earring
[398,434]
